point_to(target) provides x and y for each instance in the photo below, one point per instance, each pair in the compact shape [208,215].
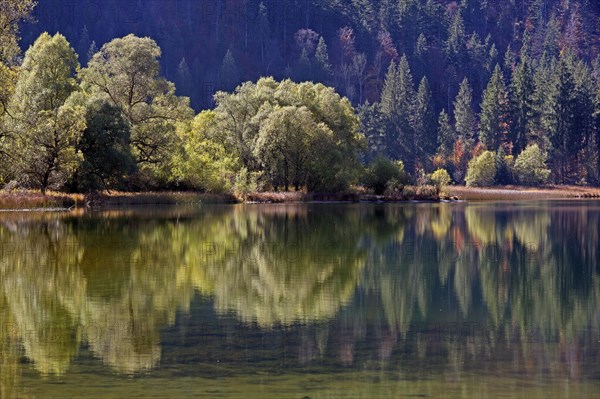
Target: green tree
[381,172]
[521,99]
[559,119]
[464,115]
[12,12]
[482,170]
[446,135]
[494,118]
[126,73]
[104,144]
[202,163]
[44,152]
[241,119]
[425,135]
[230,73]
[286,146]
[397,104]
[324,70]
[530,166]
[441,178]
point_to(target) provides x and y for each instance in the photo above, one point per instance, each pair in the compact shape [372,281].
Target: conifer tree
[397,104]
[494,119]
[464,115]
[424,123]
[446,134]
[230,73]
[559,118]
[521,100]
[322,63]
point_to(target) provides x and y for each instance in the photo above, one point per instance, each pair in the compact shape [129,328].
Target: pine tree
[323,66]
[446,135]
[521,100]
[494,119]
[230,73]
[463,114]
[397,103]
[84,42]
[559,119]
[585,92]
[424,124]
[456,44]
[184,80]
[550,46]
[509,63]
[302,68]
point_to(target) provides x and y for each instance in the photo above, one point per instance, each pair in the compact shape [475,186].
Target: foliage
[125,72]
[441,178]
[304,127]
[530,166]
[544,91]
[482,170]
[104,145]
[383,172]
[44,153]
[202,163]
[12,12]
[505,168]
[494,119]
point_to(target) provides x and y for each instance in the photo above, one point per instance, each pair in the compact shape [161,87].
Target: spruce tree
[494,119]
[397,104]
[521,100]
[559,118]
[446,135]
[463,114]
[230,73]
[323,66]
[424,124]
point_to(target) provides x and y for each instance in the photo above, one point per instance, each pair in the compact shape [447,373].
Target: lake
[481,300]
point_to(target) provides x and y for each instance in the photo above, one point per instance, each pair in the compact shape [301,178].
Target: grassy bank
[30,199]
[517,193]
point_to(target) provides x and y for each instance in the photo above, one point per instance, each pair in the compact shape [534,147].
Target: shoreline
[29,200]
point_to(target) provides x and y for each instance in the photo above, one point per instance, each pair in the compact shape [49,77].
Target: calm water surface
[303,301]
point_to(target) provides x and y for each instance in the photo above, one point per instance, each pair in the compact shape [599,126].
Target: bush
[505,173]
[530,167]
[482,170]
[382,172]
[441,178]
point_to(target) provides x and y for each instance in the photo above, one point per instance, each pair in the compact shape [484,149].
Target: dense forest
[480,92]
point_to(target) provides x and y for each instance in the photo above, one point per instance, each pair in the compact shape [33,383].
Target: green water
[303,301]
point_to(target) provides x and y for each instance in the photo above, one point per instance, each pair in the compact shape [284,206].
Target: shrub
[383,171]
[441,178]
[482,170]
[530,166]
[505,173]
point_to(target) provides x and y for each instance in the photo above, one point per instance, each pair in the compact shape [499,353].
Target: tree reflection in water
[357,284]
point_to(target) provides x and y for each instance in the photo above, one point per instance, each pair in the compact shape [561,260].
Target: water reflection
[444,288]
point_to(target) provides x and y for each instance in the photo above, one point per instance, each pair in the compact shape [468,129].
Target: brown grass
[156,198]
[299,196]
[29,199]
[516,193]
